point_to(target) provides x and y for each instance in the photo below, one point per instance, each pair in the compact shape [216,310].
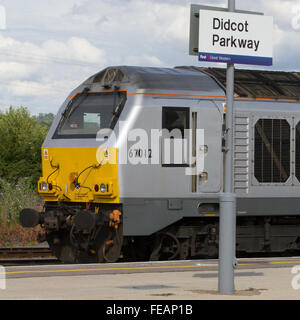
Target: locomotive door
[206,148]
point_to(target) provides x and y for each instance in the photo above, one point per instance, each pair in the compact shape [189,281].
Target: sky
[49,47]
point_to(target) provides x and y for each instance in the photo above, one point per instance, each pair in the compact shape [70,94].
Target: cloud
[158,21]
[48,71]
[51,46]
[10,70]
[32,88]
[283,12]
[74,49]
[143,60]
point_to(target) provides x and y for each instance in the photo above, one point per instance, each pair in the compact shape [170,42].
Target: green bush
[21,138]
[15,196]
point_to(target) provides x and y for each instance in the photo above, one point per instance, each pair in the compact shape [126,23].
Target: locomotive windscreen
[87,113]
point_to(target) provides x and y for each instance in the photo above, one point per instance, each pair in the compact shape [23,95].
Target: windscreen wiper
[83,95]
[117,111]
[70,103]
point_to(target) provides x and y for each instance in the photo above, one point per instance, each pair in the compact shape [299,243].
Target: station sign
[231,37]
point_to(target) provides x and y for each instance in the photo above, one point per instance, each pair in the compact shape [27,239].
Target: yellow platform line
[145,268]
[106,269]
[271,262]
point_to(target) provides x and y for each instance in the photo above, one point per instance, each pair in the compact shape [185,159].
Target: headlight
[103,188]
[44,186]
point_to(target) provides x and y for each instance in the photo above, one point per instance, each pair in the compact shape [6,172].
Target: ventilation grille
[272,150]
[241,154]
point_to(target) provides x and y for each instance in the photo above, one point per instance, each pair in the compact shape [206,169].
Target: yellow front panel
[71,174]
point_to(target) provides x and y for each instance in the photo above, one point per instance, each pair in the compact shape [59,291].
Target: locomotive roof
[157,78]
[260,83]
[248,83]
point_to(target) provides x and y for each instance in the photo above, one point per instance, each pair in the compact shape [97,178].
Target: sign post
[227,231]
[230,36]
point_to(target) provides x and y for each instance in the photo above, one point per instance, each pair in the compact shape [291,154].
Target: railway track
[26,255]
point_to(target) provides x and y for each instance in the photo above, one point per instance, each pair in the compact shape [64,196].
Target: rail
[26,255]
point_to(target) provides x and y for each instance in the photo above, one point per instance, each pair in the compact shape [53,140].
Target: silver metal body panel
[142,180]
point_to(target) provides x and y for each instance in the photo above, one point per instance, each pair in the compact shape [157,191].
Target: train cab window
[175,122]
[272,151]
[88,113]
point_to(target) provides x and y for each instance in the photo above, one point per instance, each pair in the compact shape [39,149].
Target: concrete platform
[254,281]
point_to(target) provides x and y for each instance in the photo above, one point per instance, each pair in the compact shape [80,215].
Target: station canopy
[259,83]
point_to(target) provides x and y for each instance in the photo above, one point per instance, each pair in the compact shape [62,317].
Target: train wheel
[110,250]
[67,254]
[167,247]
[63,252]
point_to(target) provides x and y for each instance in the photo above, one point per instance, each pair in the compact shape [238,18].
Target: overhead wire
[36,58]
[16,56]
[20,57]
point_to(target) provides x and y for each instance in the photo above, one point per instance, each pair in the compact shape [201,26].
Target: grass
[16,235]
[14,196]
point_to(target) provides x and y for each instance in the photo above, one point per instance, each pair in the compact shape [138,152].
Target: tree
[44,119]
[21,138]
